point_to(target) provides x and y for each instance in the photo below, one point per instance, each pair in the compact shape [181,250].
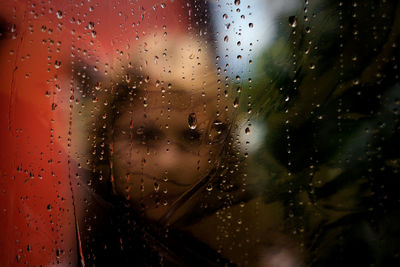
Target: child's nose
[167,157]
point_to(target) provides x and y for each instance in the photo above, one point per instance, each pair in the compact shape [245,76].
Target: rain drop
[293,21]
[140,131]
[192,121]
[91,25]
[13,28]
[236,102]
[59,14]
[57,64]
[156,187]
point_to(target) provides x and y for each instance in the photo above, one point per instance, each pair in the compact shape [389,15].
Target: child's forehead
[173,105]
[173,101]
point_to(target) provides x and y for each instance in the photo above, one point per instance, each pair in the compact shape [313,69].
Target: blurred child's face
[164,143]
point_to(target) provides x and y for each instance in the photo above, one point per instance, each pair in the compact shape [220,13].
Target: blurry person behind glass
[153,133]
[169,123]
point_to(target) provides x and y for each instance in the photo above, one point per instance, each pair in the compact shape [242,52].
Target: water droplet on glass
[237,2]
[251,25]
[293,21]
[192,121]
[236,102]
[57,64]
[226,38]
[140,131]
[91,25]
[59,14]
[156,186]
[217,123]
[97,86]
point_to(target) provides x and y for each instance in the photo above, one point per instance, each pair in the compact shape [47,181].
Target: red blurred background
[38,43]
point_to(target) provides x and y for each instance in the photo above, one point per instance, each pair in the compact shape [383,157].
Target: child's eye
[191,135]
[148,134]
[142,135]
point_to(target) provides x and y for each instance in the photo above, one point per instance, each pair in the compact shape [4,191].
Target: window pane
[199,132]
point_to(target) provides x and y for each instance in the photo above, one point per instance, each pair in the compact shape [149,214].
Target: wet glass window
[199,133]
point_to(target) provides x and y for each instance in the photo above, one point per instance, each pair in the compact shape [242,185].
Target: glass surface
[199,133]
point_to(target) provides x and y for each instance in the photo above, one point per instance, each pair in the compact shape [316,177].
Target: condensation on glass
[199,133]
